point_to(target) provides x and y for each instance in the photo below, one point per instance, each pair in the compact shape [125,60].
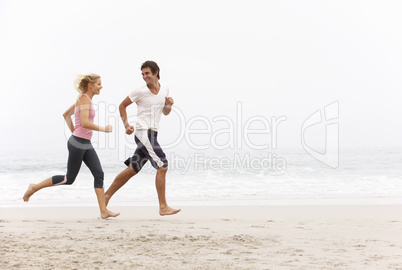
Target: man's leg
[160,182]
[118,182]
[134,165]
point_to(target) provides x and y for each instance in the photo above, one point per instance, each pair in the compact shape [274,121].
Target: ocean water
[247,177]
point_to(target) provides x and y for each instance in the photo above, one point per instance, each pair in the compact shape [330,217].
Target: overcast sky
[274,58]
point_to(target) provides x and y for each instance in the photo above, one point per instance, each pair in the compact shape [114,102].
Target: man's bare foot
[107,214]
[165,211]
[29,192]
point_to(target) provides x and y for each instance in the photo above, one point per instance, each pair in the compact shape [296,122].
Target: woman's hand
[108,128]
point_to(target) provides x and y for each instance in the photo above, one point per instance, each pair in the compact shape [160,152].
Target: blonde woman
[79,144]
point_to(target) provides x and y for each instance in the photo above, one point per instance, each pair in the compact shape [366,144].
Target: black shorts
[148,148]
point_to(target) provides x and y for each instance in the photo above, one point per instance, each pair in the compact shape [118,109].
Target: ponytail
[82,81]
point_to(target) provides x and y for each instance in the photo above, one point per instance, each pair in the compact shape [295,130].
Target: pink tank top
[80,131]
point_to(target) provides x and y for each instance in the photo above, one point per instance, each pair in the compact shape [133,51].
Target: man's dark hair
[152,65]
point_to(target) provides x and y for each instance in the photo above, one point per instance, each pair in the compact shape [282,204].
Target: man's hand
[169,101]
[129,130]
[168,105]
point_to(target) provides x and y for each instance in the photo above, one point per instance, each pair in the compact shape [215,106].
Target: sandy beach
[203,237]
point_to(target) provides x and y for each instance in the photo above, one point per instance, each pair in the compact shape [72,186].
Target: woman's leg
[100,194]
[35,187]
[91,159]
[75,155]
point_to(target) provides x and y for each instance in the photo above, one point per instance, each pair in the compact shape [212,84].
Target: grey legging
[80,150]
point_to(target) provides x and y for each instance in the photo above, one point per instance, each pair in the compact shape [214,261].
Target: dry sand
[222,237]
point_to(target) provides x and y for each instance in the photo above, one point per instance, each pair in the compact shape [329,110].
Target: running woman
[152,100]
[79,144]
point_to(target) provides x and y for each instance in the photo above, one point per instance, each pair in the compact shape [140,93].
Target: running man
[152,100]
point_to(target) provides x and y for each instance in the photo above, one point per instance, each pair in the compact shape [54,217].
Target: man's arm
[168,105]
[123,113]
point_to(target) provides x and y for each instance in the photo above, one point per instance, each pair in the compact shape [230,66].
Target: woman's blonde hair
[82,81]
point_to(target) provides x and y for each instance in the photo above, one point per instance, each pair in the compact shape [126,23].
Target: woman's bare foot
[29,192]
[165,211]
[107,214]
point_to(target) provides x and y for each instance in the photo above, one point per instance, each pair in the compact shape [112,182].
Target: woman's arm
[67,116]
[84,104]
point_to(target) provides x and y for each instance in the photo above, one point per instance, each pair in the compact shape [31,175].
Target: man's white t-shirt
[149,105]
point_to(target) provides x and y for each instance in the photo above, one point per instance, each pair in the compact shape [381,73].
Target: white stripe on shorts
[142,135]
